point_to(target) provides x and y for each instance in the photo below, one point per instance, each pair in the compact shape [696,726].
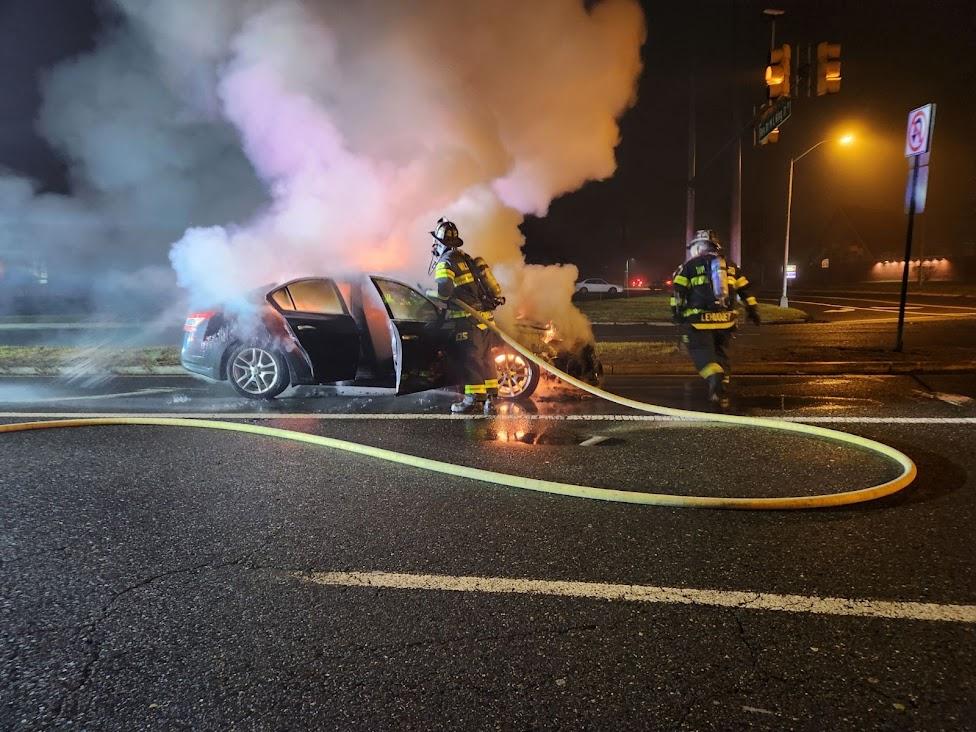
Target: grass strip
[656,308]
[50,358]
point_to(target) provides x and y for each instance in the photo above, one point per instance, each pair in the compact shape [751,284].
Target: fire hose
[905,478]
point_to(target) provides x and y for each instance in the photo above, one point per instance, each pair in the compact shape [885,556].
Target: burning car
[371,331]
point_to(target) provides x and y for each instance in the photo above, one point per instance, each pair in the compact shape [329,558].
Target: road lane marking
[366,416]
[883,320]
[915,311]
[894,302]
[806,604]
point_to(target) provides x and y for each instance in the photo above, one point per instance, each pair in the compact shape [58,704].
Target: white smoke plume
[275,138]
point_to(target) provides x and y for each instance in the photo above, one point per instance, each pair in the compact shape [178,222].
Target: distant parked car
[595,284]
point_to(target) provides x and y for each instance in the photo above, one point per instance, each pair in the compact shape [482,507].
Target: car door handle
[408,338]
[306,327]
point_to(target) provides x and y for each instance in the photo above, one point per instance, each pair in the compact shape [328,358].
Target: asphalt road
[170,578]
[931,332]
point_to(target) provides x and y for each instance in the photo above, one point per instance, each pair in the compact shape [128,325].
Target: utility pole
[772,14]
[735,222]
[692,163]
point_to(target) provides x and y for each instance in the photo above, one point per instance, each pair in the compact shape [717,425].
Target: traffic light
[778,72]
[828,68]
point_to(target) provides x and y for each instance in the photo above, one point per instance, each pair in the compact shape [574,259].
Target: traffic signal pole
[784,301]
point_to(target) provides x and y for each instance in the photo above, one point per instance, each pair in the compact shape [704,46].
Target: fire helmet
[446,234]
[705,240]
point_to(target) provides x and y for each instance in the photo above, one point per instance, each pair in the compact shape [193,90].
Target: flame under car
[371,331]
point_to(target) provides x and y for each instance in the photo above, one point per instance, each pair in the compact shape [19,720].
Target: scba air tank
[487,278]
[720,281]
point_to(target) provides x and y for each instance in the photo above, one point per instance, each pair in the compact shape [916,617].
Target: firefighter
[459,277]
[703,305]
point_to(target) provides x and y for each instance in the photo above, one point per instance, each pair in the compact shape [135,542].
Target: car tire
[612,291]
[518,377]
[257,371]
[582,291]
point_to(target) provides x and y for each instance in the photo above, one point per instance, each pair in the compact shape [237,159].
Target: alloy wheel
[513,374]
[255,371]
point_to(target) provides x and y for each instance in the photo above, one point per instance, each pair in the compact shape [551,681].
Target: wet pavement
[163,578]
[940,395]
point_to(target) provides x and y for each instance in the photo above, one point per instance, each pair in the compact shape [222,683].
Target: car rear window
[316,296]
[282,299]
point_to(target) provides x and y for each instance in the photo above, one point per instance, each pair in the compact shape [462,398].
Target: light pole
[845,140]
[627,274]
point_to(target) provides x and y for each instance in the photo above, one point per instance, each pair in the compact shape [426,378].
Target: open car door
[419,334]
[323,326]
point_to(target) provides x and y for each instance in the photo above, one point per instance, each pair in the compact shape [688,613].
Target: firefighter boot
[716,391]
[467,405]
[490,406]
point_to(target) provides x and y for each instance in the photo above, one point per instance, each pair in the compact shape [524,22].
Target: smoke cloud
[277,138]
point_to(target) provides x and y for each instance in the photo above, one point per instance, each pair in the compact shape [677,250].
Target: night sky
[896,55]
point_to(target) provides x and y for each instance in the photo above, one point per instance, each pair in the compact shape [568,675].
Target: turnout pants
[472,354]
[709,352]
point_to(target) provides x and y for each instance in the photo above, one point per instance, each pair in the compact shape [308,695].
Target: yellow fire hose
[548,486]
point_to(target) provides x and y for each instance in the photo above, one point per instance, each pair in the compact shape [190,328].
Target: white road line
[810,604]
[461,417]
[909,318]
[914,311]
[893,303]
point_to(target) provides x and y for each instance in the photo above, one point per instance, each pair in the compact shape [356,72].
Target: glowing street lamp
[844,140]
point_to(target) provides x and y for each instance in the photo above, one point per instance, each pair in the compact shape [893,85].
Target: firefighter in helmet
[459,277]
[703,305]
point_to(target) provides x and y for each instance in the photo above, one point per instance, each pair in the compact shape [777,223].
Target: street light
[843,140]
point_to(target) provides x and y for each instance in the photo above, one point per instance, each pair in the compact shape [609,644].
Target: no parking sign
[918,141]
[918,137]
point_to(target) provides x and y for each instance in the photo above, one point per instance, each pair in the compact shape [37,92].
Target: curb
[669,324]
[806,368]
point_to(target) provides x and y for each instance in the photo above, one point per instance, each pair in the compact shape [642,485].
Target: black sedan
[371,331]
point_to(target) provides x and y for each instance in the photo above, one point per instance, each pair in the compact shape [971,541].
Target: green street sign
[776,116]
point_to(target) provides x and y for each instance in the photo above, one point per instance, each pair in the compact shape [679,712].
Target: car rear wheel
[257,372]
[582,291]
[517,376]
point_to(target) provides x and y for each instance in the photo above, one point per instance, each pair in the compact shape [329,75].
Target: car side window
[316,296]
[282,299]
[405,303]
